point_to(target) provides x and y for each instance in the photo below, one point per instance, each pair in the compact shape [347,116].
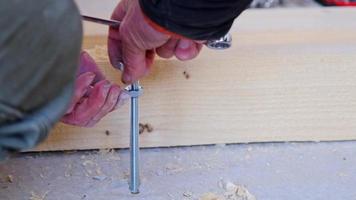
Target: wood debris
[106,151]
[186,75]
[90,168]
[68,171]
[141,128]
[173,168]
[145,127]
[109,154]
[149,128]
[232,192]
[99,178]
[9,178]
[125,175]
[35,196]
[210,196]
[187,194]
[237,192]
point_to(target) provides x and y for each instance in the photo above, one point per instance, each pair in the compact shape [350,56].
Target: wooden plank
[290,76]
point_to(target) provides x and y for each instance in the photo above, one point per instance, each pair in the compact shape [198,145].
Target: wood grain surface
[290,76]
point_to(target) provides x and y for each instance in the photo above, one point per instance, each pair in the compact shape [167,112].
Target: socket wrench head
[221,43]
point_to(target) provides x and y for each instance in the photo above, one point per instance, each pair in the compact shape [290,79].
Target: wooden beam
[290,76]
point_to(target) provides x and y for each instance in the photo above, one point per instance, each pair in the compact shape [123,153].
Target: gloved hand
[136,42]
[94,96]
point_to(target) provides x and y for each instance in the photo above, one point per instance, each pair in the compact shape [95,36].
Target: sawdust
[44,172]
[141,128]
[173,168]
[125,175]
[149,128]
[9,178]
[237,192]
[187,194]
[35,196]
[210,196]
[145,127]
[91,168]
[104,152]
[186,75]
[91,163]
[109,154]
[99,178]
[69,170]
[231,191]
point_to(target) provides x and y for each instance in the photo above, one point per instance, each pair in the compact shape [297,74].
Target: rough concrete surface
[271,171]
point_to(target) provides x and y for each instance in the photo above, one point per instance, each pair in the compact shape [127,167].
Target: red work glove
[136,42]
[94,96]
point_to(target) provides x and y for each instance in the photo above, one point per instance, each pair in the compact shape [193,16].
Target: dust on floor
[280,171]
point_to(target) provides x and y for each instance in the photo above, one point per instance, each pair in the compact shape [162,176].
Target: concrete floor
[270,171]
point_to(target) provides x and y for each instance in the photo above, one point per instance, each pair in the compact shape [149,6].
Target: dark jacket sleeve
[195,19]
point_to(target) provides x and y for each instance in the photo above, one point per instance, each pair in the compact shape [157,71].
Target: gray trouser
[40,42]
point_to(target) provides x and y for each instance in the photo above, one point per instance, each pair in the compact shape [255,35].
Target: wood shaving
[35,196]
[88,162]
[10,178]
[91,168]
[234,192]
[109,154]
[186,75]
[237,192]
[104,152]
[173,169]
[210,196]
[187,194]
[68,171]
[99,178]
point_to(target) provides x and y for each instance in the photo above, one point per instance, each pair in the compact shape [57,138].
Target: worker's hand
[94,96]
[136,42]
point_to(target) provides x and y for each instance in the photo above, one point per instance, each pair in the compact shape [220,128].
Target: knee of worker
[39,51]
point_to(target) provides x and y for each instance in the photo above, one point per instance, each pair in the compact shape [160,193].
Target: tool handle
[222,43]
[109,22]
